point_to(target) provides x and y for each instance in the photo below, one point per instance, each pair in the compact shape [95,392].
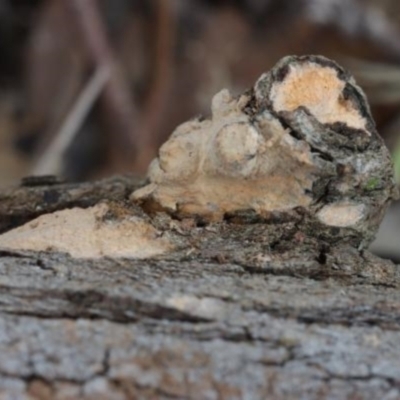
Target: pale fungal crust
[318,89]
[229,163]
[206,307]
[342,214]
[84,233]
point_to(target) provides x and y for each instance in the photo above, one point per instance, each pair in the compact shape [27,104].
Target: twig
[50,161]
[116,98]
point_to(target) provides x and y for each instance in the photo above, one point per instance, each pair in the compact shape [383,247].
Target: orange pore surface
[320,90]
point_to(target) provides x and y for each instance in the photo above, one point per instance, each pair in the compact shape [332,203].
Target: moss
[372,184]
[396,158]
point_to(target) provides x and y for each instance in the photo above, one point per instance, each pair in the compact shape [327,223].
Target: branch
[51,161]
[116,98]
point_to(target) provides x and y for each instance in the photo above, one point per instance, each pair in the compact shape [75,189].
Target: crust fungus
[93,232]
[301,141]
[297,153]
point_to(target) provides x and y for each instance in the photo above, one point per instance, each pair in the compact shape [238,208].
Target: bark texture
[255,281]
[211,322]
[41,195]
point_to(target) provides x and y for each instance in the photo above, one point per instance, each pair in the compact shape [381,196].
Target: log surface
[238,272]
[316,326]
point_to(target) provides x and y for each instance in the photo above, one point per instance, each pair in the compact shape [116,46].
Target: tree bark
[316,323]
[40,195]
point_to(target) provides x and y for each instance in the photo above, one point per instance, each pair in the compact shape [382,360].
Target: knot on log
[302,140]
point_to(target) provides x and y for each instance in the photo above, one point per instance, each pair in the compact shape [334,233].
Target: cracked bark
[254,283]
[215,323]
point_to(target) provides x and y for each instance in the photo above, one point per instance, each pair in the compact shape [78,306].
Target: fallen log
[238,270]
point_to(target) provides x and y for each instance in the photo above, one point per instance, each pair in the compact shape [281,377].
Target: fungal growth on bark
[104,230]
[296,159]
[302,141]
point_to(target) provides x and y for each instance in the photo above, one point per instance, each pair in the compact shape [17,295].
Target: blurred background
[91,88]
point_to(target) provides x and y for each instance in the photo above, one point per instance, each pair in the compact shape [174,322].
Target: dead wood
[239,293]
[38,196]
[212,323]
